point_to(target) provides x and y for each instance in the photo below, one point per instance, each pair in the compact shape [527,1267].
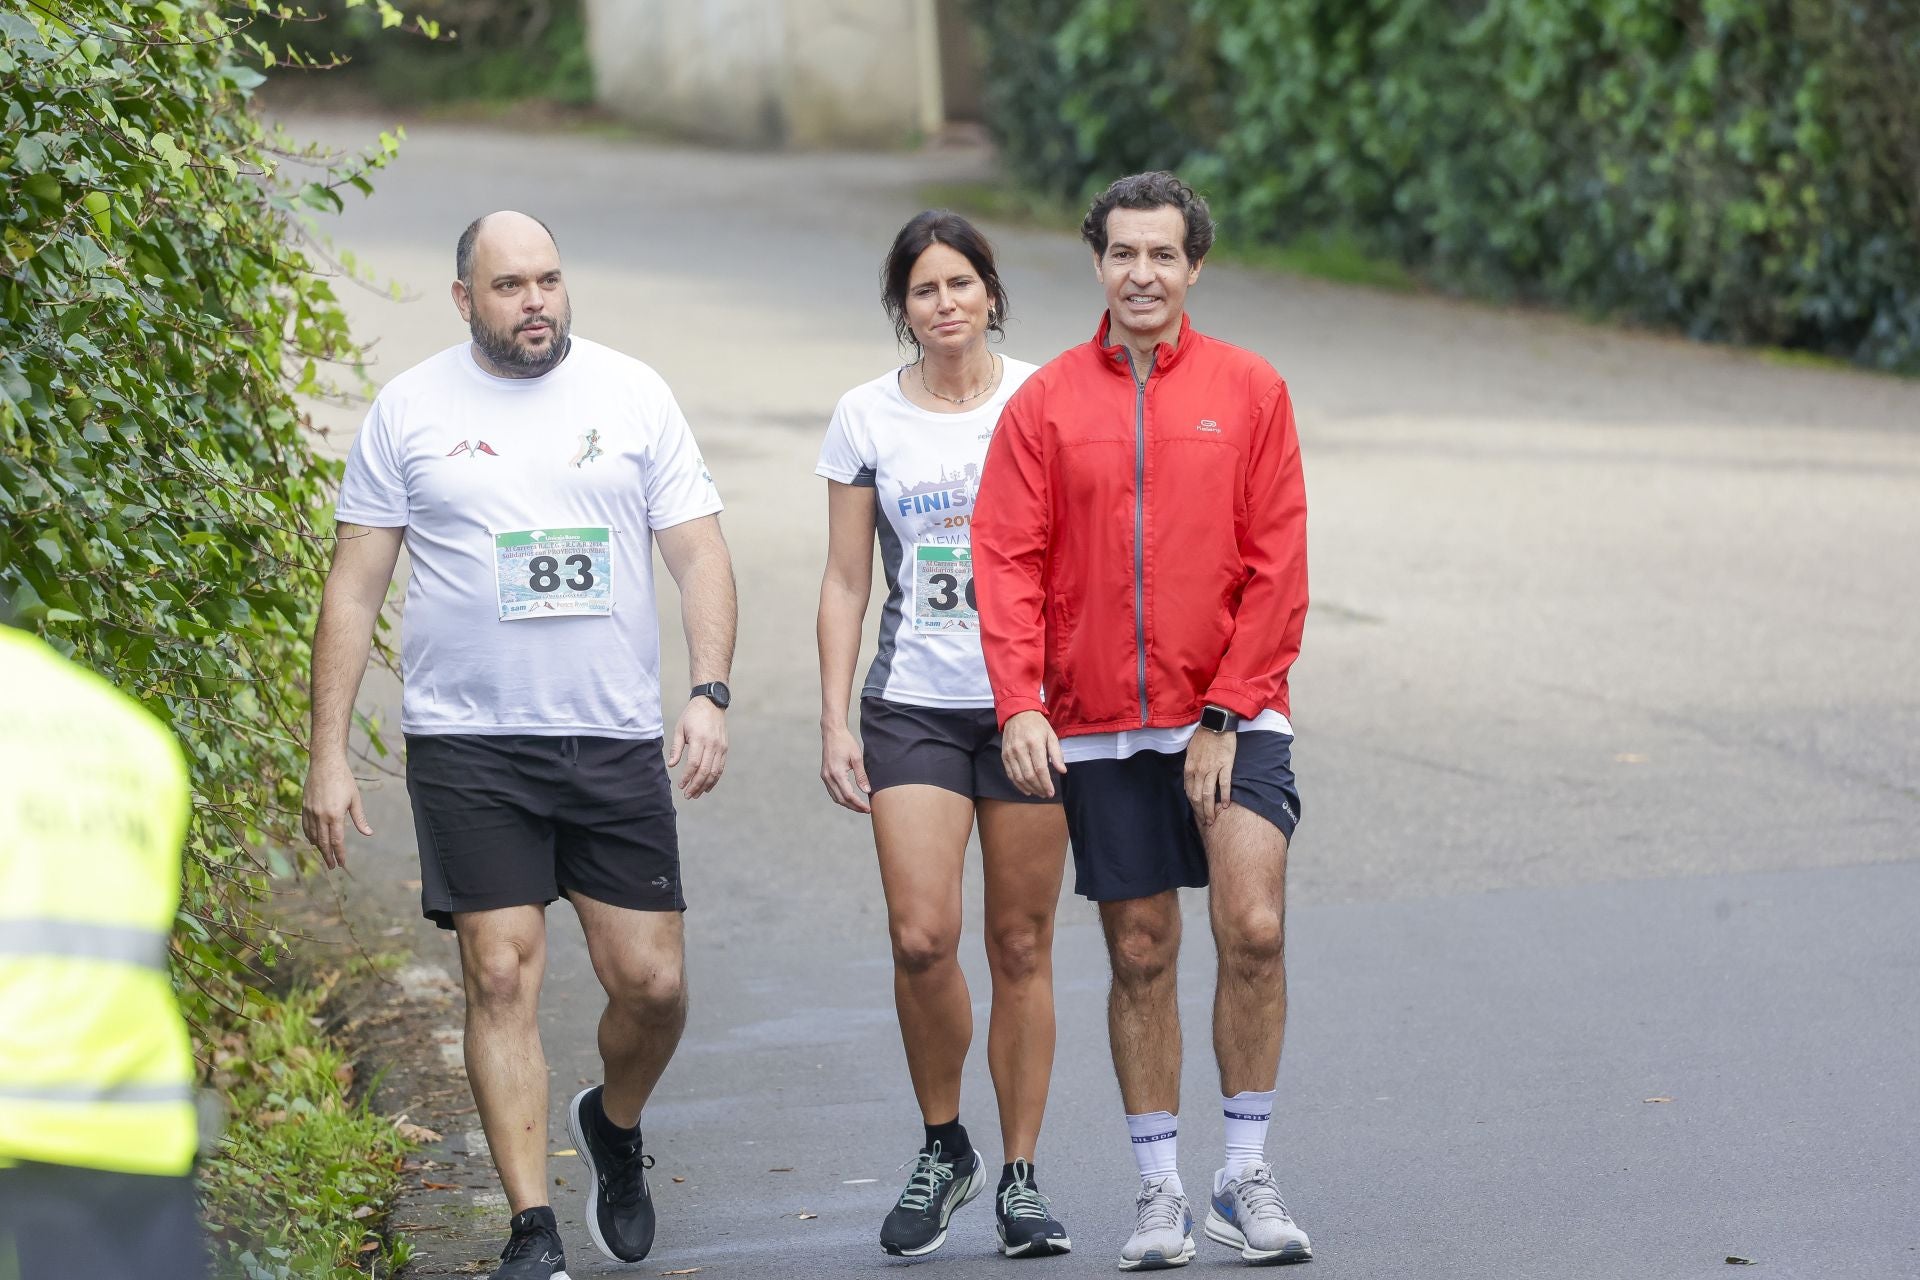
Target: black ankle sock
[604,1123]
[1006,1176]
[952,1137]
[538,1215]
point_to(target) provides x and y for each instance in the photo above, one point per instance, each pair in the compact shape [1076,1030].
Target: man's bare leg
[503,957]
[1247,863]
[1143,1007]
[640,959]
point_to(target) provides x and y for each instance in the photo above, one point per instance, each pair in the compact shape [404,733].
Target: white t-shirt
[1168,741]
[585,462]
[924,468]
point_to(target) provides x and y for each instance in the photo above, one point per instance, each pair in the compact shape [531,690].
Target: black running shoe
[619,1206]
[918,1224]
[1025,1221]
[533,1252]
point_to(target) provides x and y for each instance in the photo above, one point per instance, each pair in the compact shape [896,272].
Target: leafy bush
[1743,169]
[161,314]
[489,50]
[306,1171]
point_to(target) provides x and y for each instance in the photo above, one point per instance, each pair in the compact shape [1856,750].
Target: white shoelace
[1159,1209]
[1259,1195]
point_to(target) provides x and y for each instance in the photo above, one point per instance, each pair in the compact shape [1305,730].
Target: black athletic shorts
[1133,830]
[513,820]
[954,748]
[58,1222]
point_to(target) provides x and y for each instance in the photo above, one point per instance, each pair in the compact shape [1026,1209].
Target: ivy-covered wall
[1744,170]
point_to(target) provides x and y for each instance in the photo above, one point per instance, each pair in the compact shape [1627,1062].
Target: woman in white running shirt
[902,460]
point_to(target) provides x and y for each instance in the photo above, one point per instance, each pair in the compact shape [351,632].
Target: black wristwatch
[1219,719]
[714,691]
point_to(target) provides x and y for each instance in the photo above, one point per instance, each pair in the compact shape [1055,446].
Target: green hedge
[162,507]
[1744,170]
[484,50]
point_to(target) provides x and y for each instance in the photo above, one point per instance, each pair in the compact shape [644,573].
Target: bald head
[512,295]
[505,228]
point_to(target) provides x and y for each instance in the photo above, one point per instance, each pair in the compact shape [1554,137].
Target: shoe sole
[577,1128]
[957,1201]
[1220,1231]
[1042,1248]
[1157,1261]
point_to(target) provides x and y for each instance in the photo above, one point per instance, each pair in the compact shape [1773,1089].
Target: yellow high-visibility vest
[95,1067]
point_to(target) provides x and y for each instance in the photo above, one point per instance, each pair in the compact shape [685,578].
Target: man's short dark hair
[463,249]
[1156,190]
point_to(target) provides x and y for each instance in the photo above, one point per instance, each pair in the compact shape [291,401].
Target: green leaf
[101,208]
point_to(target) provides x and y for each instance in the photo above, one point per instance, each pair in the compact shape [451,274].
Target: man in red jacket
[1139,546]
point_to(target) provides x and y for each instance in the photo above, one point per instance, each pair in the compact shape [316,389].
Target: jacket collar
[1114,354]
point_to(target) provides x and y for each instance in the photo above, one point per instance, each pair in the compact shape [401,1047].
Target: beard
[503,349]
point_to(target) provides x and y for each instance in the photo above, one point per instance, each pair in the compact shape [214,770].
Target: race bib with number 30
[554,573]
[943,589]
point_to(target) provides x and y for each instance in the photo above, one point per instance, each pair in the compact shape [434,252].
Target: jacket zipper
[1140,522]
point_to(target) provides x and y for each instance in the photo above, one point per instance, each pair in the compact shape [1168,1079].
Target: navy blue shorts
[1133,830]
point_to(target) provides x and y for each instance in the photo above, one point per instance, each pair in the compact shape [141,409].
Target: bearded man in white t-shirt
[529,474]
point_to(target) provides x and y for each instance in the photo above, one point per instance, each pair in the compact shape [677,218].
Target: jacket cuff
[1235,697]
[1008,708]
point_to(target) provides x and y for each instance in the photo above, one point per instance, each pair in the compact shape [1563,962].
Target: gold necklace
[992,377]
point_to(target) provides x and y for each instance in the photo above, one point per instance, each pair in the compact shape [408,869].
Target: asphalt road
[1603,948]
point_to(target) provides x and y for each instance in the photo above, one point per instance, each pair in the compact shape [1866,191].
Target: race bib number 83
[943,597]
[554,573]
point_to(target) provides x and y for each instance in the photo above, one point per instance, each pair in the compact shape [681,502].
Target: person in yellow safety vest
[97,1121]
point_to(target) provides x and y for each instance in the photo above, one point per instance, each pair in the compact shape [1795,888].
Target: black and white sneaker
[619,1206]
[918,1224]
[1025,1220]
[533,1252]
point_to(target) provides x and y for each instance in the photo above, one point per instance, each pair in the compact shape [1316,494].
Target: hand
[701,736]
[1209,773]
[1031,753]
[840,756]
[330,800]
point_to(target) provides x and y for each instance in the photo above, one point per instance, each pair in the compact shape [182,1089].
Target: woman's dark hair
[938,226]
[1156,190]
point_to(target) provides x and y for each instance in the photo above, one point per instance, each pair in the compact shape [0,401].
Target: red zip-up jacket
[1140,547]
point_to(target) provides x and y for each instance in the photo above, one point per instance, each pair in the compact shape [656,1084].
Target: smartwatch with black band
[1219,719]
[714,691]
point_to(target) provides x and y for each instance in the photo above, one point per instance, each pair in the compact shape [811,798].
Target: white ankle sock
[1156,1147]
[1248,1115]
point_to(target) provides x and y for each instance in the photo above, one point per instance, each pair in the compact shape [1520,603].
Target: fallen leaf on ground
[364,1211]
[415,1132]
[1735,1260]
[684,1271]
[785,1168]
[369,1246]
[559,1182]
[568,1152]
[1656,1099]
[806,1217]
[440,1186]
[678,1178]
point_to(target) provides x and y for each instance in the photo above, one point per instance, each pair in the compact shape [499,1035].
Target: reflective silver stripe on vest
[90,1093]
[71,940]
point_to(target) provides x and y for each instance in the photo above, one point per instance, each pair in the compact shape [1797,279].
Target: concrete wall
[810,73]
